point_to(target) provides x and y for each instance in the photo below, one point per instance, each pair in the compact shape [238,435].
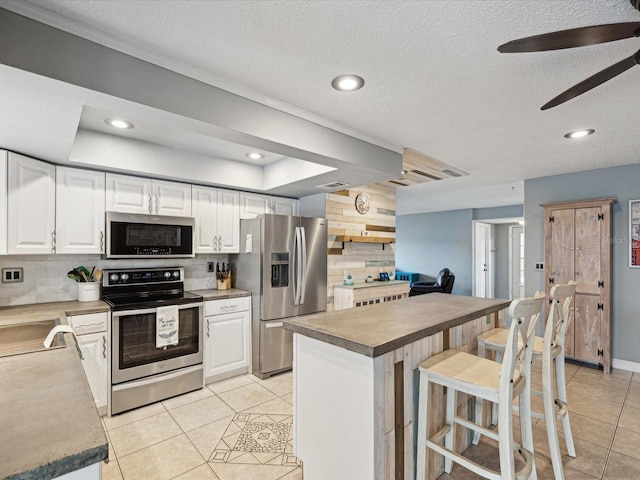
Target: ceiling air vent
[332,185]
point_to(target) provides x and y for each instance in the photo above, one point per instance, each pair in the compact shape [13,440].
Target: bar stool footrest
[522,474]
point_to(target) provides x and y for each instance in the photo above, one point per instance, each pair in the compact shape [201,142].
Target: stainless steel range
[156,336]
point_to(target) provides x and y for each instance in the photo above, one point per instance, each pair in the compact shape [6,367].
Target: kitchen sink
[28,337]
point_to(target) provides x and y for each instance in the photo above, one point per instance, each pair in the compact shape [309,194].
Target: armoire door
[562,243]
[587,325]
[587,250]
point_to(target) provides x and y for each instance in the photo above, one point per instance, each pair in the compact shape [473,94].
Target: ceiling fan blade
[594,80]
[576,37]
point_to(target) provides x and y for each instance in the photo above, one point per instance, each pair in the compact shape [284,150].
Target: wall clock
[363,201]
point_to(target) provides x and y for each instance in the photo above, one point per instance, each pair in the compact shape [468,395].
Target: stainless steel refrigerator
[283,263]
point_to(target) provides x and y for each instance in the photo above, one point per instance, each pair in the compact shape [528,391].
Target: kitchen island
[49,423]
[355,381]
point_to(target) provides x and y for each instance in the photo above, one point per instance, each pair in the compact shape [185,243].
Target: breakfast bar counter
[355,386]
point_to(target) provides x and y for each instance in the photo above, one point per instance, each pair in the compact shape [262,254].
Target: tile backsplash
[45,276]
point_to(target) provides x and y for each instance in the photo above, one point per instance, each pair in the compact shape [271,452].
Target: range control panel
[142,276]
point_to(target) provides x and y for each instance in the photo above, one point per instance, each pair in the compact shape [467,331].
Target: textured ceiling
[434,79]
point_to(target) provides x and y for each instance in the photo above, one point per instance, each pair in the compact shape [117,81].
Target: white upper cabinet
[80,205]
[253,204]
[228,221]
[129,194]
[284,206]
[31,200]
[171,198]
[217,217]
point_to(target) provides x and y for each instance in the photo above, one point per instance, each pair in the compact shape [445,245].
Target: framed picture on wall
[634,233]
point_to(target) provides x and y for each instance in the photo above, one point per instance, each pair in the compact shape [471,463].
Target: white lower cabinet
[95,350]
[227,330]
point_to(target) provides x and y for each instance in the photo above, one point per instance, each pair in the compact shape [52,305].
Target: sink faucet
[62,329]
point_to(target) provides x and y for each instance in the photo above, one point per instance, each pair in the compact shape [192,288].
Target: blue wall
[622,183]
[428,242]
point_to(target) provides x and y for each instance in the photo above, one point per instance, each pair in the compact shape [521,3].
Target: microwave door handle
[303,270]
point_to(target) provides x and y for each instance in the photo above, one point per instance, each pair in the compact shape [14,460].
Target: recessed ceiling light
[254,155]
[118,123]
[347,83]
[579,133]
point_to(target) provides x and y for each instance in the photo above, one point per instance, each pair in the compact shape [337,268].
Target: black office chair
[444,284]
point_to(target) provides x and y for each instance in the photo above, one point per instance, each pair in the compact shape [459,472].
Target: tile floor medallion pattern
[257,438]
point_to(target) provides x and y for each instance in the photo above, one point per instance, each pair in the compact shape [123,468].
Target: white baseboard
[625,365]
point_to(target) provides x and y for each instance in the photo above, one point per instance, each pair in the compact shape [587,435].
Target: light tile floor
[236,429]
[240,429]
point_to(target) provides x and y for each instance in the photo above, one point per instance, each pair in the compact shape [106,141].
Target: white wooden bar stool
[550,349]
[484,379]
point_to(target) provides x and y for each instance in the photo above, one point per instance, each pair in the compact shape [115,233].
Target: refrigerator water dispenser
[280,269]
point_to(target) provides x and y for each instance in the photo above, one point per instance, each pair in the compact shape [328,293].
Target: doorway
[483,263]
[498,258]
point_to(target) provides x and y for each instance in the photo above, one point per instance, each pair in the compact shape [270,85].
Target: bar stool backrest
[559,318]
[517,355]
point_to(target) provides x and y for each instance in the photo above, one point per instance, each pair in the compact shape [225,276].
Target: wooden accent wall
[359,259]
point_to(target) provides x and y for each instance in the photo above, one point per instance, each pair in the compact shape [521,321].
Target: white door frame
[490,257]
[512,255]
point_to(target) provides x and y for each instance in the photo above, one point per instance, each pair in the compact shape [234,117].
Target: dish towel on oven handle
[167,321]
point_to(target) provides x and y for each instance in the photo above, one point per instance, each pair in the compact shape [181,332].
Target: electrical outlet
[540,266]
[12,275]
[209,266]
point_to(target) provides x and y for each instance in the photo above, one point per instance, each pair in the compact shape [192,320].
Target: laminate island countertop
[377,329]
[49,423]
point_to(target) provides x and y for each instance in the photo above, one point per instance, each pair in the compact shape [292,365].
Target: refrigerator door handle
[298,273]
[303,272]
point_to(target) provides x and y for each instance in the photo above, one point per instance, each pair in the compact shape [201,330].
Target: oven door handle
[126,313]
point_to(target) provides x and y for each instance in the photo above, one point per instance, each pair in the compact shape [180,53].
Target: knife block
[224,284]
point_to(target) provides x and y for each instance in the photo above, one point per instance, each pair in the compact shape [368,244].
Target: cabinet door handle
[228,306]
[220,243]
[150,204]
[101,242]
[53,242]
[104,346]
[157,204]
[215,244]
[207,328]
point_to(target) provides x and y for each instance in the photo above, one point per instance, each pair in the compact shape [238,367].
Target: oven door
[134,353]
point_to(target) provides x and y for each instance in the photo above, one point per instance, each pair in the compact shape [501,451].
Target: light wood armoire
[578,247]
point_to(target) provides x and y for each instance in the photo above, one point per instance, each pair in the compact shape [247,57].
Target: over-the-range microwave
[148,236]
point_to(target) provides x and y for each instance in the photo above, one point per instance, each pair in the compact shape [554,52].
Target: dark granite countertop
[377,329]
[49,423]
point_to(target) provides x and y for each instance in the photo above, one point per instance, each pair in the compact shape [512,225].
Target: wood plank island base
[355,382]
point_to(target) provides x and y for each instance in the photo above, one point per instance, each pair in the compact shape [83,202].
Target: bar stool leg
[562,396]
[550,422]
[526,429]
[450,437]
[505,434]
[423,427]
